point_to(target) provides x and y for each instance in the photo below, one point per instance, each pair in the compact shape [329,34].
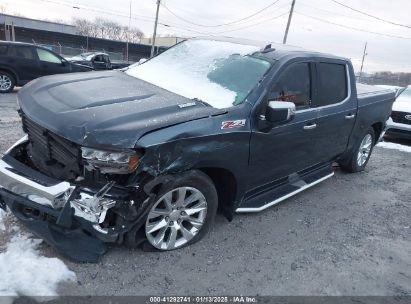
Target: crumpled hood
[105,109]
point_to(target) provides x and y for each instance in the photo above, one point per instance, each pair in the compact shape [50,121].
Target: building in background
[163,41]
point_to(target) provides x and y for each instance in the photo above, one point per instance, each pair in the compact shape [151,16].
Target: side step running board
[280,199]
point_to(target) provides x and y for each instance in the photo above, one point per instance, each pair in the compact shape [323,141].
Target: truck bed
[365,90]
[374,105]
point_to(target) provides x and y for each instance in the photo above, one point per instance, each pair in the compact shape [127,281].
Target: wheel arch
[10,71]
[378,128]
[223,179]
[226,185]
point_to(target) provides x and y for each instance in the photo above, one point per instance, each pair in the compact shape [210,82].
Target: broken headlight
[110,162]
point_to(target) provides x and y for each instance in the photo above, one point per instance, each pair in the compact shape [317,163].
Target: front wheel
[361,152]
[183,212]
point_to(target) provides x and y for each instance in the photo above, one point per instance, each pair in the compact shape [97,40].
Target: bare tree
[107,29]
[3,9]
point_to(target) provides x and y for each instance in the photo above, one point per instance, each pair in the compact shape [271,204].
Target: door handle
[310,127]
[350,116]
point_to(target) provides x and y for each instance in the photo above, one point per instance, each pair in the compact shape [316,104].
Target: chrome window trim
[349,95]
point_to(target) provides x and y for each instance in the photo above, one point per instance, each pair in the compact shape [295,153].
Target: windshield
[406,93]
[221,74]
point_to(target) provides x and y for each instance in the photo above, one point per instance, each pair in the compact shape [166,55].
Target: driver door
[50,63]
[277,151]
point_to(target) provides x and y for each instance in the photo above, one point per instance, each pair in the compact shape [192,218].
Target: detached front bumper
[65,215]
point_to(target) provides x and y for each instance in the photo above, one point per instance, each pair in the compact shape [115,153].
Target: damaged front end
[74,207]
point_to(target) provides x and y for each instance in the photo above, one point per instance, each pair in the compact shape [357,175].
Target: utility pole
[289,22]
[128,36]
[362,62]
[153,43]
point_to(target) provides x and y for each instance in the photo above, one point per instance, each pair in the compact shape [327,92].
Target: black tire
[193,179]
[4,76]
[353,165]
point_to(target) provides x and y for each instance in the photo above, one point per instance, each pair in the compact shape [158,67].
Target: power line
[372,16]
[252,25]
[120,14]
[332,12]
[238,29]
[151,20]
[87,8]
[221,24]
[352,28]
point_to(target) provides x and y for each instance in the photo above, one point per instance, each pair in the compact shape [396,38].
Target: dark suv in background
[23,62]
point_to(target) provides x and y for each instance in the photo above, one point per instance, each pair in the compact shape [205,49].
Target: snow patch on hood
[394,146]
[23,271]
[178,71]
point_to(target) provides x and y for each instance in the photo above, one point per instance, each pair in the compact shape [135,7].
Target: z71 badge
[233,124]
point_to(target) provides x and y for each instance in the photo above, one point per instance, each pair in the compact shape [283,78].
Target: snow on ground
[394,146]
[2,217]
[23,271]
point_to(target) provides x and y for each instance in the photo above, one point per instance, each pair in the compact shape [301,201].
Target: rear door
[24,61]
[277,151]
[50,63]
[337,108]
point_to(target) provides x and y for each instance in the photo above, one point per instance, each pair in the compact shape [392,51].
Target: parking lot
[349,235]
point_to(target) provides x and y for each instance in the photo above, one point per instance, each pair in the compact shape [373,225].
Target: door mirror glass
[279,111]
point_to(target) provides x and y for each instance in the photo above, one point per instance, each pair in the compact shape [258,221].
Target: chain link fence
[67,51]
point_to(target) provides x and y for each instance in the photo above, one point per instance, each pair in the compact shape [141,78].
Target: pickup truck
[147,156]
[98,61]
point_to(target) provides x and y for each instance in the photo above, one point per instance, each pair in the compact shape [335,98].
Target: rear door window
[294,85]
[332,84]
[24,52]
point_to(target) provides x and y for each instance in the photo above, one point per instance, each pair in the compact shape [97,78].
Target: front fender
[178,152]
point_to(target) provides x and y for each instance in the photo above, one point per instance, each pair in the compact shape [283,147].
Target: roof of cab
[15,42]
[278,50]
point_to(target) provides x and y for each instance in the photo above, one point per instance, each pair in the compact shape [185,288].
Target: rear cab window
[332,84]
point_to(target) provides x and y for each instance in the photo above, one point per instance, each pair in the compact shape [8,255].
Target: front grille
[399,117]
[53,154]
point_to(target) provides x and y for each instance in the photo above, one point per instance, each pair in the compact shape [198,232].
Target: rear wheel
[7,82]
[361,152]
[182,212]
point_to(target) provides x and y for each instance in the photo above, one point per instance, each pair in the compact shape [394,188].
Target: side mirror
[279,111]
[63,62]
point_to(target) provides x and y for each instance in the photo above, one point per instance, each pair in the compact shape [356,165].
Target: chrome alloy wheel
[176,218]
[364,150]
[5,83]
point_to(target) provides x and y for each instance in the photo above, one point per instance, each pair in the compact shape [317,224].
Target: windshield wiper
[201,101]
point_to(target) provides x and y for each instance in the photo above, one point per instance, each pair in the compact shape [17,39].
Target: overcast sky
[384,53]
